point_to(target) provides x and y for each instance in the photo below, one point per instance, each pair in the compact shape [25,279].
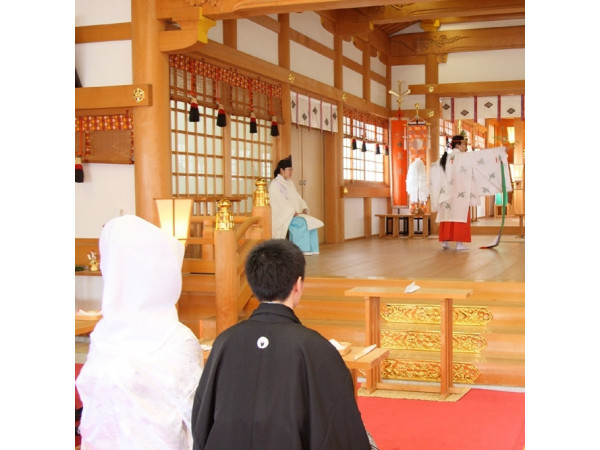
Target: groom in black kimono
[270,382]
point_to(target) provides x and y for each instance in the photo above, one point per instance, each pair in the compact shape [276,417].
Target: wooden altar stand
[373,295]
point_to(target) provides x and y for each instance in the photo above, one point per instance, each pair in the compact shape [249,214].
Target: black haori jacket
[271,383]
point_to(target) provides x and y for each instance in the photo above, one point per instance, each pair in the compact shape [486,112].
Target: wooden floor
[424,258]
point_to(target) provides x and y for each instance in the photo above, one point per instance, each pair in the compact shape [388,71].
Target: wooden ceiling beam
[351,26]
[432,10]
[443,42]
[238,9]
[511,87]
[483,18]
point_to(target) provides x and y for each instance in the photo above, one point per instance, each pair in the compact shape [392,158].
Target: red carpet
[481,420]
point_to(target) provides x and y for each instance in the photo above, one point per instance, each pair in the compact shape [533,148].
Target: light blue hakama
[307,240]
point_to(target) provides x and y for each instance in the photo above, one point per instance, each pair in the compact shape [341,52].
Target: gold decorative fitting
[344,96]
[291,77]
[430,88]
[224,219]
[261,194]
[430,113]
[430,341]
[461,315]
[138,95]
[402,369]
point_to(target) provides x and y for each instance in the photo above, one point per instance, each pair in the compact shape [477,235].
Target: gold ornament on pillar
[224,219]
[261,194]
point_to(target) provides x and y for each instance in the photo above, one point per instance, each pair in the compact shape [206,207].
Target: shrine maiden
[457,181]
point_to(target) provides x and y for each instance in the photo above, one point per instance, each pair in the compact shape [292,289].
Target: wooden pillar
[152,155]
[368,211]
[334,182]
[432,103]
[230,33]
[366,59]
[226,289]
[282,144]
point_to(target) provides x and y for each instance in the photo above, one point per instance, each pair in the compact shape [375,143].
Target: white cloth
[416,181]
[285,202]
[468,176]
[138,383]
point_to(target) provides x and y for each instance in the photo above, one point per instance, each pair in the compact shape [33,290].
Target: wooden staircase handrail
[248,222]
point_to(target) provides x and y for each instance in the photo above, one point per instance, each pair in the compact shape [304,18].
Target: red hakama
[456,231]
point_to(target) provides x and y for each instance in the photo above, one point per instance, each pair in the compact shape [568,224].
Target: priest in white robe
[289,211]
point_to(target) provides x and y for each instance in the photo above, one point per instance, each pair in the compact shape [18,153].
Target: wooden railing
[221,250]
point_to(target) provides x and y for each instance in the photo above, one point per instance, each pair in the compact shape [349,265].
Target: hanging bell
[253,127]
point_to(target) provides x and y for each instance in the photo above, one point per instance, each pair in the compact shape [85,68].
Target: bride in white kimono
[289,211]
[138,383]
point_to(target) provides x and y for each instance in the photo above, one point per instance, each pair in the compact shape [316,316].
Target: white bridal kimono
[285,202]
[138,383]
[468,176]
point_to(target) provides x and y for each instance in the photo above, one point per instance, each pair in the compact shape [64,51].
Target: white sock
[460,246]
[445,245]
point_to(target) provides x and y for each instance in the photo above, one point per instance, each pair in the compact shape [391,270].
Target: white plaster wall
[352,82]
[311,64]
[378,93]
[309,24]
[108,191]
[494,65]
[99,12]
[216,33]
[378,206]
[353,218]
[351,52]
[377,66]
[104,63]
[257,41]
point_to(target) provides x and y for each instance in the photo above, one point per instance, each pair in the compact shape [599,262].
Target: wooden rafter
[418,44]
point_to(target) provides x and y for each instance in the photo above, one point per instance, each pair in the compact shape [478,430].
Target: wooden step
[195,282]
[340,330]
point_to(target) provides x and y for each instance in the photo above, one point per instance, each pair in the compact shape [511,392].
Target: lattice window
[197,153]
[208,160]
[251,156]
[365,163]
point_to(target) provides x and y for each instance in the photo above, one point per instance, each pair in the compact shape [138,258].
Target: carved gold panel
[430,341]
[411,370]
[461,315]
